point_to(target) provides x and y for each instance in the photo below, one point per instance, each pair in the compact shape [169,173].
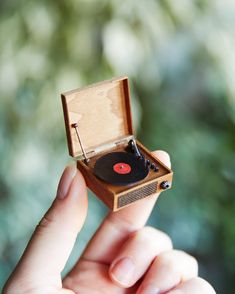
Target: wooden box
[103,116]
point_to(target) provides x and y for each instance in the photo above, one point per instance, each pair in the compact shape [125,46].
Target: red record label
[122,168]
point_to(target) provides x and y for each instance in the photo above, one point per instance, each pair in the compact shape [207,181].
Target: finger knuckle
[189,260]
[164,260]
[204,286]
[153,235]
[167,241]
[180,262]
[45,223]
[193,263]
[162,238]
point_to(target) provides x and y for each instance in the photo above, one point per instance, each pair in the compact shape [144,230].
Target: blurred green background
[180,58]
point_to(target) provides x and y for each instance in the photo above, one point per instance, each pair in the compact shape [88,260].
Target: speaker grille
[137,194]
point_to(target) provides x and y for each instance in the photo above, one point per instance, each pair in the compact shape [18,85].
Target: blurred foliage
[180,58]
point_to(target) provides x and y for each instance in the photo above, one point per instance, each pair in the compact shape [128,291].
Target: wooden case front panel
[140,192]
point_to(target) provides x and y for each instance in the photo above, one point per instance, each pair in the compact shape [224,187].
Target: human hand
[123,257]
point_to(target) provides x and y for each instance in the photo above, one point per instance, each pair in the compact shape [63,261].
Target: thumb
[54,237]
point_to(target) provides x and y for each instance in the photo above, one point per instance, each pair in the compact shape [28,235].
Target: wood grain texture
[102,112]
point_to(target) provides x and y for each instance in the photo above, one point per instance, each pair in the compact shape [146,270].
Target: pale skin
[123,257]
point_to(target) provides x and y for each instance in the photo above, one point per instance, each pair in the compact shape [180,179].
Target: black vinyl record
[120,168]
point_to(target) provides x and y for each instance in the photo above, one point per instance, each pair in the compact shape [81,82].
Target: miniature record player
[116,167]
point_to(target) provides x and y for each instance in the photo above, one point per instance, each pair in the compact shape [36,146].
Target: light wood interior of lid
[102,112]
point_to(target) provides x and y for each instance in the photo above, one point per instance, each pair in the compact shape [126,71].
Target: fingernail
[123,271]
[65,181]
[149,289]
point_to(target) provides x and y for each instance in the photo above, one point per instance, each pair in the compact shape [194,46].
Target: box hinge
[124,140]
[102,148]
[121,142]
[90,153]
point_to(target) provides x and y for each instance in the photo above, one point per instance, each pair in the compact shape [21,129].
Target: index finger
[117,226]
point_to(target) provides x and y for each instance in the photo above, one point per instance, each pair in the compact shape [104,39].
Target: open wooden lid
[102,112]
